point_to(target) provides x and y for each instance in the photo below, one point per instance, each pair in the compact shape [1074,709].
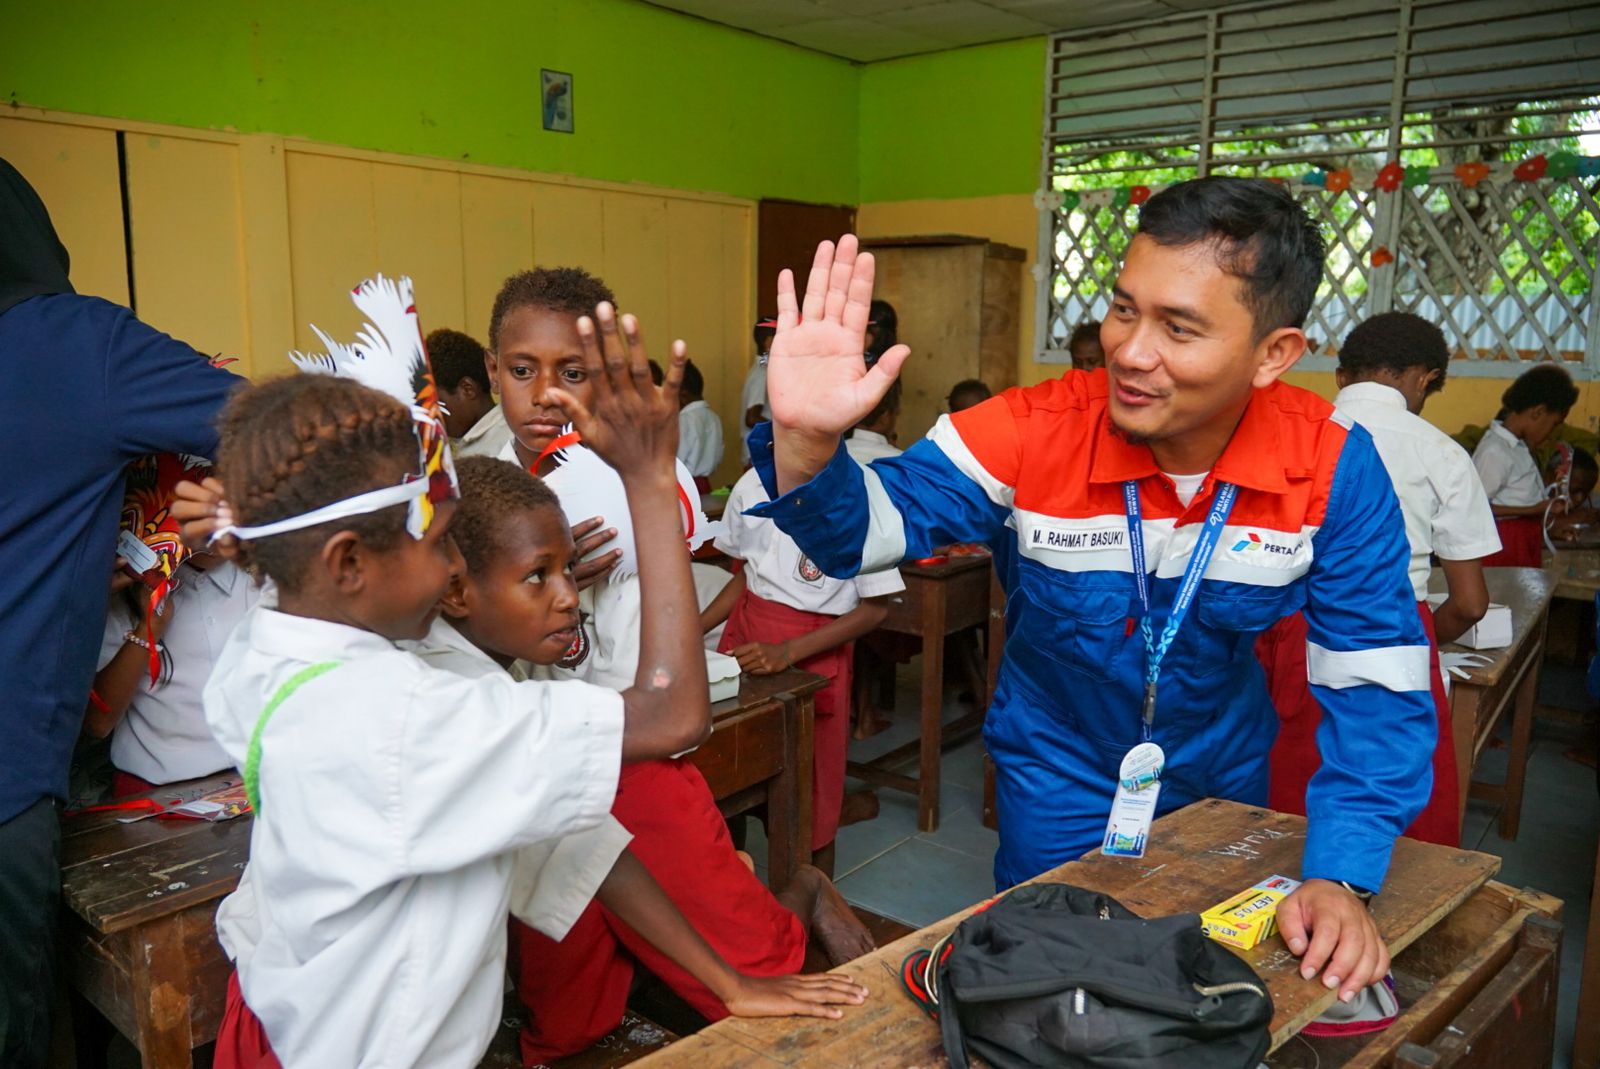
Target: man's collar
[1251,459]
[1374,392]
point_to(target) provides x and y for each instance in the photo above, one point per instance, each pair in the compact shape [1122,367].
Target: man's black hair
[1088,330]
[762,331]
[1546,384]
[885,327]
[1583,460]
[890,401]
[456,356]
[1261,236]
[694,383]
[1395,341]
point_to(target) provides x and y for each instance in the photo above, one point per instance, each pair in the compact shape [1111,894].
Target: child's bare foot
[749,862]
[858,806]
[828,918]
[868,723]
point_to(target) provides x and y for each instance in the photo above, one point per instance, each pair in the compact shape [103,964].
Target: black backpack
[1056,976]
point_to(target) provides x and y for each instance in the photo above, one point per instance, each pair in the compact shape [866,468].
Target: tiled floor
[887,866]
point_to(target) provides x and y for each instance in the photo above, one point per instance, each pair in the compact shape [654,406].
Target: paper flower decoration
[1472,173]
[1390,177]
[1069,200]
[1138,194]
[1562,165]
[1589,166]
[1531,168]
[1419,175]
[1314,178]
[1338,181]
[1121,197]
[1381,255]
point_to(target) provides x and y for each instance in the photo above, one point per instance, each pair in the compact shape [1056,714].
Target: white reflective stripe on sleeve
[1390,667]
[885,545]
[948,439]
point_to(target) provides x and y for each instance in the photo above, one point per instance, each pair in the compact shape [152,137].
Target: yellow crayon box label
[1250,917]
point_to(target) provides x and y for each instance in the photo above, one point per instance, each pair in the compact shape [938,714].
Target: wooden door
[788,233]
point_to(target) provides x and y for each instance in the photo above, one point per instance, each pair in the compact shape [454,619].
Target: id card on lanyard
[1139,780]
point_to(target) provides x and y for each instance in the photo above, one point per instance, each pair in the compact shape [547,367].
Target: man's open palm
[817,380]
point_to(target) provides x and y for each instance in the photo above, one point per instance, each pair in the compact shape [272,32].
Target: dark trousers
[30,894]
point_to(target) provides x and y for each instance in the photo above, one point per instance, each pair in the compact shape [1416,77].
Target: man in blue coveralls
[1156,516]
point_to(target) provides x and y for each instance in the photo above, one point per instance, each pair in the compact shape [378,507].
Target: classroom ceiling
[869,30]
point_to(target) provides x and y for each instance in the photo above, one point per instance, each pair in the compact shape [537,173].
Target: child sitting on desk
[1531,408]
[783,612]
[1581,521]
[392,836]
[157,727]
[512,595]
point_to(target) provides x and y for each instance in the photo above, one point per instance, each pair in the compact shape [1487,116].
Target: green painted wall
[660,98]
[964,123]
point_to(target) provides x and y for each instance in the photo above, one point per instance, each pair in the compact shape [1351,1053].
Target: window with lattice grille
[1321,93]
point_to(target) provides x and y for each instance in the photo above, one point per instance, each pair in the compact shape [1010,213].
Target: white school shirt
[1445,507]
[699,438]
[865,446]
[163,737]
[1507,468]
[486,438]
[369,928]
[775,569]
[754,393]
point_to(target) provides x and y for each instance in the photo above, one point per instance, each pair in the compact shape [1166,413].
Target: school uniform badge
[808,571]
[578,652]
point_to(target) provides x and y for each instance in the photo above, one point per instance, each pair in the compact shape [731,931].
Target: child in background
[873,437]
[753,395]
[158,730]
[699,430]
[390,841]
[510,529]
[1388,366]
[883,330]
[1084,347]
[1579,521]
[783,612]
[966,393]
[1532,407]
[476,425]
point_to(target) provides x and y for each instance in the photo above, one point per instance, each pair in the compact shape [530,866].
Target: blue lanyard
[1154,651]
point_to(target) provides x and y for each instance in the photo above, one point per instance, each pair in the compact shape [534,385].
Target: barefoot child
[516,601]
[402,810]
[1532,407]
[783,612]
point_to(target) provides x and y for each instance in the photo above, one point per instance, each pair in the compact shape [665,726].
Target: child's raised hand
[810,995]
[632,424]
[817,378]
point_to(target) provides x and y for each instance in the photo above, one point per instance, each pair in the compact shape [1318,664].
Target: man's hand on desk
[1332,932]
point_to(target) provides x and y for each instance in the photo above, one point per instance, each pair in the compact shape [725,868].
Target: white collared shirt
[865,446]
[775,569]
[752,394]
[163,737]
[396,795]
[486,438]
[699,438]
[1507,468]
[1445,507]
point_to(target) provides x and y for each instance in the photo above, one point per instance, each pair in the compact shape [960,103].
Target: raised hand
[633,425]
[817,379]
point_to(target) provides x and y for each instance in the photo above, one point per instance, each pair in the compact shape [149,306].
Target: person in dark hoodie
[90,388]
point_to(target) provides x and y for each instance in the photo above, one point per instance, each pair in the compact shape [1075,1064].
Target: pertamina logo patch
[1254,543]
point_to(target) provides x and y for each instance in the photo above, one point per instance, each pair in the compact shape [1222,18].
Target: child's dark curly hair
[491,490]
[570,290]
[297,443]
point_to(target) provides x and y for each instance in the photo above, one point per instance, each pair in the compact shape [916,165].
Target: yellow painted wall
[1466,400]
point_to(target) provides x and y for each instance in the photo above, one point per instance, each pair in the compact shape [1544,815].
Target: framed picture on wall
[555,100]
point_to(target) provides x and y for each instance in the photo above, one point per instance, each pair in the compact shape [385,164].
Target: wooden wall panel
[188,252]
[636,261]
[333,242]
[74,169]
[568,227]
[416,218]
[496,241]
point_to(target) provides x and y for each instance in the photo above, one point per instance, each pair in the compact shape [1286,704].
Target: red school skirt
[1295,758]
[756,619]
[576,990]
[241,1041]
[1521,543]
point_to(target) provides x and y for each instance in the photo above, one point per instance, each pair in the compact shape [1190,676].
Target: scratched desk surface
[116,875]
[1200,856]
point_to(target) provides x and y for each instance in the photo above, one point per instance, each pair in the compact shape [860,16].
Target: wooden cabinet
[958,300]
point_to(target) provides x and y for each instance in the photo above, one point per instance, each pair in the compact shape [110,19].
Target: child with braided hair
[402,810]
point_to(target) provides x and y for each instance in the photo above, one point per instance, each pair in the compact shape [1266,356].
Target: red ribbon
[573,438]
[156,598]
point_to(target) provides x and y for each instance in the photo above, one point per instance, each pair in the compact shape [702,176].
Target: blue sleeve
[1368,665]
[161,396]
[849,519]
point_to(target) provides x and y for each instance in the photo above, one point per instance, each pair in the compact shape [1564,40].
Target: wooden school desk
[1576,573]
[939,599]
[760,752]
[1475,961]
[1509,681]
[138,935]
